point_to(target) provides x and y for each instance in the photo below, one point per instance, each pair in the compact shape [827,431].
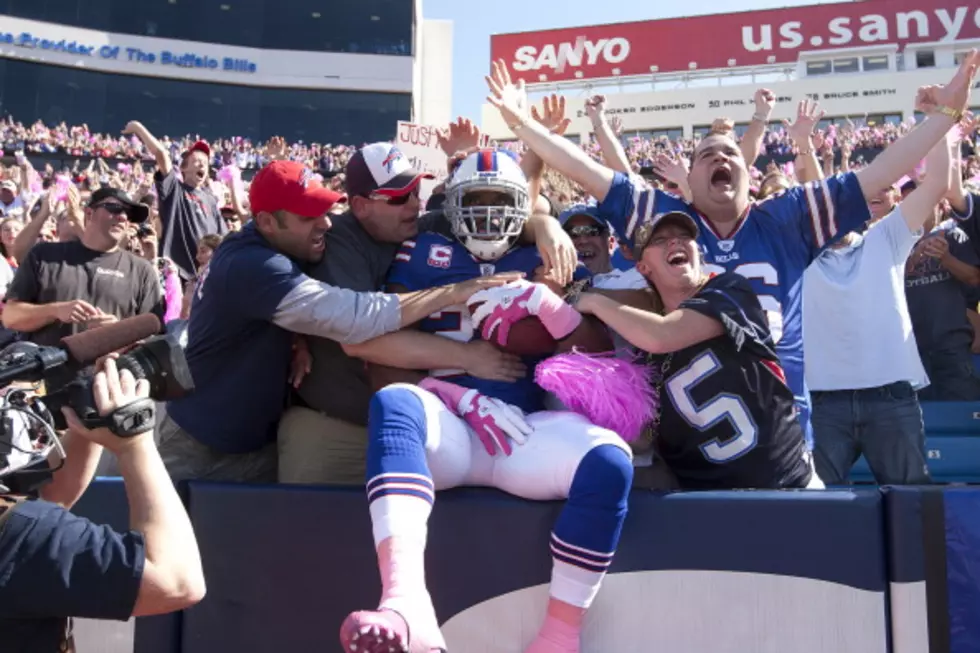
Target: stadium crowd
[341,327]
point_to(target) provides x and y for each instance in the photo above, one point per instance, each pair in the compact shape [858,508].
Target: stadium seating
[952,443]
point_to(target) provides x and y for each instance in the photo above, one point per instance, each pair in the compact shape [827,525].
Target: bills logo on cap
[393,155]
[304,177]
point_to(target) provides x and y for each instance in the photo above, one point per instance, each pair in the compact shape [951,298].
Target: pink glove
[505,305]
[493,421]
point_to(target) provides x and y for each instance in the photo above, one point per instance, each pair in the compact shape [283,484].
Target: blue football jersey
[771,246]
[432,260]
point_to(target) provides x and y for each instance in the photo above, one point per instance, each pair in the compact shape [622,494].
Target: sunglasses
[585,230]
[114,208]
[399,200]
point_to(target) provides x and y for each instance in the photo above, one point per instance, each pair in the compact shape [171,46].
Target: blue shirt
[238,357]
[55,564]
[246,306]
[432,260]
[771,246]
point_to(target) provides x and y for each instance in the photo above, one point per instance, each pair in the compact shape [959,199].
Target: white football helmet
[487,226]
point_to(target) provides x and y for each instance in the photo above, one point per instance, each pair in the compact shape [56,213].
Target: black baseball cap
[644,233]
[135,211]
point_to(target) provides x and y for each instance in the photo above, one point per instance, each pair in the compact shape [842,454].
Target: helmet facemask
[487,214]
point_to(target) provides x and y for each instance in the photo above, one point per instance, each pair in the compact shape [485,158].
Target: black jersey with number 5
[728,419]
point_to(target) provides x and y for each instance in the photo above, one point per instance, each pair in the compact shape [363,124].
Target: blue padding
[951,459]
[955,417]
[903,524]
[286,564]
[963,568]
[105,503]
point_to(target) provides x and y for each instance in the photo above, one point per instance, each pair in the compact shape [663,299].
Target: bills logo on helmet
[440,256]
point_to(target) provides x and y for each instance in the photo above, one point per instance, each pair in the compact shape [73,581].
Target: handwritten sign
[420,143]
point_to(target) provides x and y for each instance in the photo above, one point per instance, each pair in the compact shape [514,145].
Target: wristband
[955,114]
[761,117]
[127,421]
[806,152]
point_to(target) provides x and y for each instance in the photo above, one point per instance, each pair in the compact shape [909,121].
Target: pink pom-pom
[610,392]
[174,296]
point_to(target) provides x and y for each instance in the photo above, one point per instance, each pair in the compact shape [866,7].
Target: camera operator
[55,565]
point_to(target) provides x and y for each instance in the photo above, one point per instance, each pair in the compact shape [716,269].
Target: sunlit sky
[474,22]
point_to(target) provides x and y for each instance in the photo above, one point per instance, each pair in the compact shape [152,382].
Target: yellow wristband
[951,112]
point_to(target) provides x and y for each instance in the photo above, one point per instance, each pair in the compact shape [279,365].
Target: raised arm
[153,146]
[808,114]
[609,144]
[751,143]
[921,203]
[557,152]
[945,106]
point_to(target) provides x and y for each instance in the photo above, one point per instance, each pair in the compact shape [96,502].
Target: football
[528,337]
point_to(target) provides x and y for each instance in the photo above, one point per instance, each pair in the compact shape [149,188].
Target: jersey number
[767,274]
[721,407]
[455,325]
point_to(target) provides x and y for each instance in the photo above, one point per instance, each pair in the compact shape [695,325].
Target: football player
[769,243]
[450,430]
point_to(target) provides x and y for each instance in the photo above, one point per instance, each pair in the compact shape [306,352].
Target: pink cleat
[378,631]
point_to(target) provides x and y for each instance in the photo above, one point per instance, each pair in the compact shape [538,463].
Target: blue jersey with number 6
[728,419]
[432,260]
[771,246]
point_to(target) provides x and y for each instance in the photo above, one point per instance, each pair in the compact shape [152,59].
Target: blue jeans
[884,423]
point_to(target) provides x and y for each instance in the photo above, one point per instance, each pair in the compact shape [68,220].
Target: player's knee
[605,473]
[396,411]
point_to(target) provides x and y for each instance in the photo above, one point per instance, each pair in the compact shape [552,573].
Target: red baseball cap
[290,186]
[199,146]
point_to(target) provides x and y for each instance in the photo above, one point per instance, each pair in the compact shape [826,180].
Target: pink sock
[556,636]
[401,562]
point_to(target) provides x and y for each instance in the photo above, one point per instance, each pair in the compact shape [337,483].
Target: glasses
[660,241]
[585,230]
[399,200]
[114,208]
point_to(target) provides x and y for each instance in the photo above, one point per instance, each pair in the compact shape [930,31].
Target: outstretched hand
[509,98]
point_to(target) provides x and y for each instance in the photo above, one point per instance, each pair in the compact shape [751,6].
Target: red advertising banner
[747,38]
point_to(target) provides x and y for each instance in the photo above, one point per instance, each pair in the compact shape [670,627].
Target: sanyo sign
[938,24]
[613,51]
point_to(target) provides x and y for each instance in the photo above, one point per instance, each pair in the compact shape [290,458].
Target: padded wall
[725,572]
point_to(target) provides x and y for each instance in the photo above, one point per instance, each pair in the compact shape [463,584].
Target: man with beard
[188,211]
[248,304]
[770,243]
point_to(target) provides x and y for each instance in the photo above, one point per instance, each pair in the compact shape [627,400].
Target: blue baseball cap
[582,209]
